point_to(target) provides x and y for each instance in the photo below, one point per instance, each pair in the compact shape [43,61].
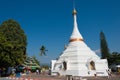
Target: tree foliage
[13,44]
[45,66]
[114,58]
[104,47]
[43,50]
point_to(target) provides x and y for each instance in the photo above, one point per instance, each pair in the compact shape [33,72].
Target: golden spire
[74,12]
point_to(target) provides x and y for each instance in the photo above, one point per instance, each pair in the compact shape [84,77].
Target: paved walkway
[48,77]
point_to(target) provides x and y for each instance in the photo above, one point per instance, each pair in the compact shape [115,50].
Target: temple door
[64,65]
[92,65]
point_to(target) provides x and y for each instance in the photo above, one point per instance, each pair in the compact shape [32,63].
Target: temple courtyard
[33,76]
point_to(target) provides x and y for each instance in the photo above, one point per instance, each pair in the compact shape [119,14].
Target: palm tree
[43,50]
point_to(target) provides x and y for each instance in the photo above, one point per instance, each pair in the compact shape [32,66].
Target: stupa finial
[74,10]
[76,36]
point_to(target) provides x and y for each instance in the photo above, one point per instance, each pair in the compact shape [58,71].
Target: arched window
[64,65]
[92,65]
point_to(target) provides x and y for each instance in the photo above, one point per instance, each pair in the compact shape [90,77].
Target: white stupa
[78,59]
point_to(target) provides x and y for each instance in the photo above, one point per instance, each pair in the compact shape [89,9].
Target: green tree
[4,57]
[14,46]
[114,58]
[104,47]
[45,66]
[43,50]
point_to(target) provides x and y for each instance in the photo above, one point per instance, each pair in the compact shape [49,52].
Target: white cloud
[98,52]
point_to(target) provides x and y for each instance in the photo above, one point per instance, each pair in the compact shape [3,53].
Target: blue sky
[50,23]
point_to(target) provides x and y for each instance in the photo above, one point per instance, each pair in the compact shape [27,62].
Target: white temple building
[78,59]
